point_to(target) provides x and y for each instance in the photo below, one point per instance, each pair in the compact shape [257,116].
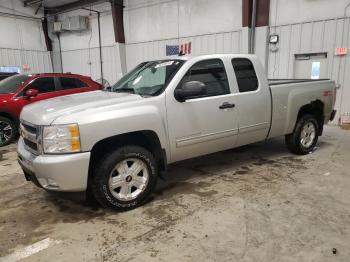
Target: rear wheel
[7,131]
[304,138]
[125,178]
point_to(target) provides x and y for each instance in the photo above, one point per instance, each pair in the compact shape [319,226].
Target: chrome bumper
[55,172]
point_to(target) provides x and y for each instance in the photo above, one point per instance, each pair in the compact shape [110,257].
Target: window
[71,83]
[12,83]
[245,75]
[43,85]
[212,73]
[148,79]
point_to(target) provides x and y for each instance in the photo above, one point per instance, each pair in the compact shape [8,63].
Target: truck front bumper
[55,172]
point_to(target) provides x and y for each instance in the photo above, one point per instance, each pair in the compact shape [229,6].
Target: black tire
[293,140]
[99,183]
[6,136]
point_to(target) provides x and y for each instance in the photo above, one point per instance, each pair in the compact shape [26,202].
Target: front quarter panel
[100,124]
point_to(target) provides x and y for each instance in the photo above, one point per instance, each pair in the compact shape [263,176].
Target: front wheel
[7,131]
[304,138]
[125,178]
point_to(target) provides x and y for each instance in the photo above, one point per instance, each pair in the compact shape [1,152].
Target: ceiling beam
[31,2]
[118,21]
[247,7]
[74,6]
[262,13]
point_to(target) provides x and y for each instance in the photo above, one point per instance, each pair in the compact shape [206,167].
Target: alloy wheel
[5,132]
[128,179]
[308,134]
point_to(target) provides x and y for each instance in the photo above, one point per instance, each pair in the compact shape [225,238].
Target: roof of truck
[188,57]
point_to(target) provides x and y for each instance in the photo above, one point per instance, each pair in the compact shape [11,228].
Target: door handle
[227,105]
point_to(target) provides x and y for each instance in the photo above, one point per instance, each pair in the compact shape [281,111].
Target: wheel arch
[315,108]
[10,116]
[145,138]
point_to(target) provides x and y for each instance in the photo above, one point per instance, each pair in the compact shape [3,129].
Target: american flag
[172,50]
[182,49]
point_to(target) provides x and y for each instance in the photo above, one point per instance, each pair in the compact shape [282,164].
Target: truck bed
[292,81]
[289,95]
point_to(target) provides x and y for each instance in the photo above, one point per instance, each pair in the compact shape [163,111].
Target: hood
[5,97]
[46,111]
[5,101]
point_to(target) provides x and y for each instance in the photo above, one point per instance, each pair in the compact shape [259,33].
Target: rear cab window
[245,74]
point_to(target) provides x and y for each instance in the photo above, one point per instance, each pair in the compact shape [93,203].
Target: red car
[20,90]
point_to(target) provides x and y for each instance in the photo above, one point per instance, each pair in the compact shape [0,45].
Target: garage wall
[211,26]
[312,36]
[300,11]
[80,50]
[228,42]
[22,40]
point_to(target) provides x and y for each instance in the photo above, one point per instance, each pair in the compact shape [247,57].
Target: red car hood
[5,97]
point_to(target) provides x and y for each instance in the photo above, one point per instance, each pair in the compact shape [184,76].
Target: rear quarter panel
[287,100]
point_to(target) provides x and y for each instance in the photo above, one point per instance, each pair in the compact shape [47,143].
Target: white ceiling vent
[57,27]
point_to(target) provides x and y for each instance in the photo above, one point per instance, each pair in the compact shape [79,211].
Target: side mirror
[31,93]
[189,90]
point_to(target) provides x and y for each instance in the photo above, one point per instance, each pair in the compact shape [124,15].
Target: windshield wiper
[124,89]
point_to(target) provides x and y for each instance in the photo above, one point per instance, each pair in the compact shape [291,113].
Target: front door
[203,125]
[46,87]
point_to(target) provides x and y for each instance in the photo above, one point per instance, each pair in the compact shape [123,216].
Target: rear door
[72,85]
[253,102]
[202,125]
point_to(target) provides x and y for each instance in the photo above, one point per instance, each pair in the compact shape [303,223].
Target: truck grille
[30,136]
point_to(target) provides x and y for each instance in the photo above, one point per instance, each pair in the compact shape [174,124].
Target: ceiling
[48,3]
[55,3]
[53,6]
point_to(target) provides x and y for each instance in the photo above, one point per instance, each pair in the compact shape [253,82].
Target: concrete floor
[255,203]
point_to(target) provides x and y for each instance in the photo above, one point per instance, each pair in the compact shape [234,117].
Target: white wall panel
[284,12]
[80,50]
[18,32]
[38,61]
[153,20]
[229,42]
[22,39]
[208,16]
[89,38]
[87,62]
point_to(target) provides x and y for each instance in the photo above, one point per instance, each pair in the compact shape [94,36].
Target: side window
[71,83]
[212,73]
[245,75]
[43,85]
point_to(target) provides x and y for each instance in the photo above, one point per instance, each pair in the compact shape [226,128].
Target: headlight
[61,139]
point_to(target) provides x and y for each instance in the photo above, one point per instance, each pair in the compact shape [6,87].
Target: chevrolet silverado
[116,143]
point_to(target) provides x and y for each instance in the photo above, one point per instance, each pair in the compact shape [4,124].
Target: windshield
[148,79]
[11,84]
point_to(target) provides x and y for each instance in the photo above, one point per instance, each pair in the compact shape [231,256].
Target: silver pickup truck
[116,143]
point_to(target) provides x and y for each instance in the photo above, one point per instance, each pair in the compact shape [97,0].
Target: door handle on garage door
[226,105]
